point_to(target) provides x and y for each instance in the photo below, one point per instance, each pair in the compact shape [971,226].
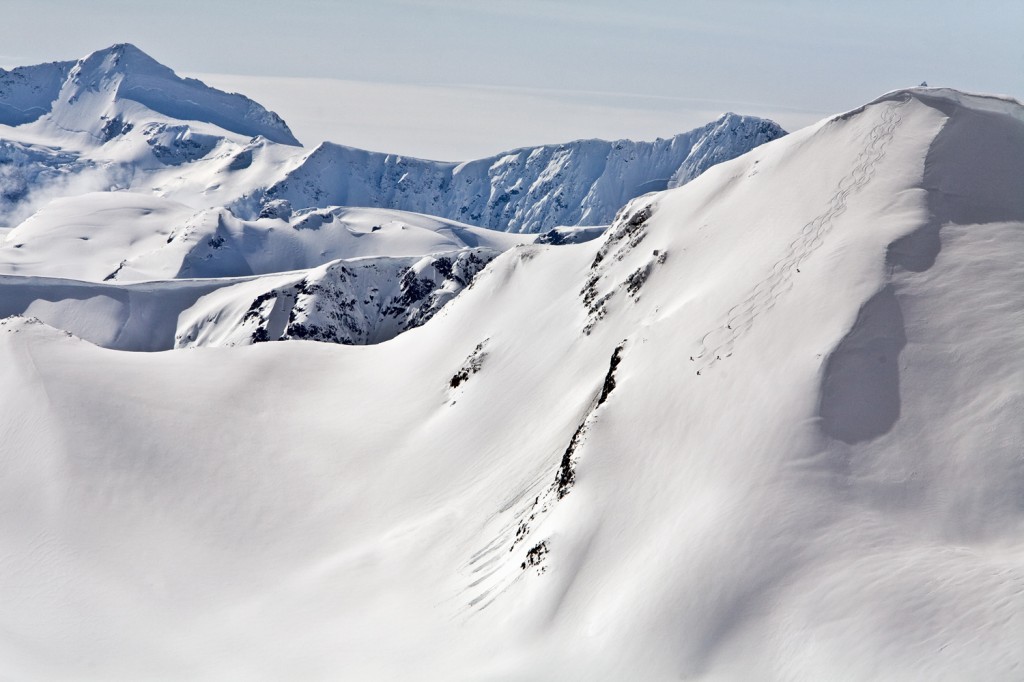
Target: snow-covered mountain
[766,426]
[28,92]
[525,190]
[117,119]
[113,169]
[111,91]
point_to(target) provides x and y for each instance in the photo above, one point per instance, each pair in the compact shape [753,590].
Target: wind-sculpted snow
[860,394]
[524,190]
[138,317]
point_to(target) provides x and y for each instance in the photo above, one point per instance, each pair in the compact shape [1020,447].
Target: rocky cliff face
[354,302]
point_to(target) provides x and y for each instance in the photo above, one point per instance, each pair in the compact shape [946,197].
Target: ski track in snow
[547,490]
[495,560]
[717,344]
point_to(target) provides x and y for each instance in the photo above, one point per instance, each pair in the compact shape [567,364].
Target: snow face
[131,317]
[524,190]
[767,426]
[27,92]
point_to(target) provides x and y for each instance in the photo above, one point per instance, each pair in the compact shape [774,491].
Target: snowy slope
[65,265]
[523,190]
[132,236]
[28,92]
[130,317]
[768,428]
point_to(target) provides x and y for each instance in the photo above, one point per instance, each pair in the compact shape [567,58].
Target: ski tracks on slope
[717,344]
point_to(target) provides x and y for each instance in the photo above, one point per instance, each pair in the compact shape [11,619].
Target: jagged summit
[123,58]
[110,90]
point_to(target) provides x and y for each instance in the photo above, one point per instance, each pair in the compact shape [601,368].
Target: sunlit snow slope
[767,428]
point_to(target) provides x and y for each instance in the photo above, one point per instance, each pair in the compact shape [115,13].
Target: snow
[360,301]
[766,426]
[131,317]
[27,92]
[121,120]
[87,237]
[523,190]
[101,89]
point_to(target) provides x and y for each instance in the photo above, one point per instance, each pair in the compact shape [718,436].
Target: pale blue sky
[807,58]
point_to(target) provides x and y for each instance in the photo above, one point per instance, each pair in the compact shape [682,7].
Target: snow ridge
[717,344]
[524,190]
[27,92]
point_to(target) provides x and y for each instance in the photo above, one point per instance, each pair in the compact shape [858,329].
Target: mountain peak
[104,69]
[122,58]
[82,96]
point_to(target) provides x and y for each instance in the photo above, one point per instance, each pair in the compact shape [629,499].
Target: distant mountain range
[105,105]
[114,169]
[525,190]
